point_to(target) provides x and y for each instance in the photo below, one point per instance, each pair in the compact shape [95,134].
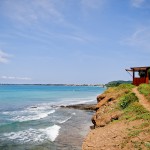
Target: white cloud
[139,39]
[28,12]
[15,78]
[4,57]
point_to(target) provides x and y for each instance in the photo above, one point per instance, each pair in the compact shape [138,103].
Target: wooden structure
[143,75]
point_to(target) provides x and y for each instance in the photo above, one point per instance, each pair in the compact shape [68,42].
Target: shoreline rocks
[89,107]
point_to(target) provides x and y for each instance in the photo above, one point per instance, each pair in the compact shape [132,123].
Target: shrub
[127,99]
[117,83]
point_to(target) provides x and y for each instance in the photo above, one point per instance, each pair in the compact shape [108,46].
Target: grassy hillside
[120,120]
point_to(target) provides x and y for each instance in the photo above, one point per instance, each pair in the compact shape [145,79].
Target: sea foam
[33,135]
[29,114]
[34,116]
[63,121]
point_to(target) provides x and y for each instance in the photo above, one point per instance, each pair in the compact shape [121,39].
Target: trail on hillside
[142,100]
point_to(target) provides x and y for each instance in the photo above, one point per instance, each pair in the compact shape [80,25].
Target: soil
[142,100]
[117,134]
[110,137]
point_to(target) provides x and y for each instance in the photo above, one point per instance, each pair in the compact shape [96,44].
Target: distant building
[140,75]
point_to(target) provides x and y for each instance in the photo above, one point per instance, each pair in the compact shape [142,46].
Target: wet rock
[82,106]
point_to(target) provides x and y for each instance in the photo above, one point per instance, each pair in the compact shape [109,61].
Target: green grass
[127,99]
[133,110]
[145,90]
[144,125]
[147,144]
[134,133]
[136,111]
[126,86]
[121,87]
[119,91]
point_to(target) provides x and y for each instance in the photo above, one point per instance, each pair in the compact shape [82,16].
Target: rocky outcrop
[81,106]
[105,104]
[101,121]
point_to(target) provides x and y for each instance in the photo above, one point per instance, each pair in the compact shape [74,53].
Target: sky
[72,41]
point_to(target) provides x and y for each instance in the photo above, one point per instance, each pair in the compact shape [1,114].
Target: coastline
[39,120]
[39,84]
[116,126]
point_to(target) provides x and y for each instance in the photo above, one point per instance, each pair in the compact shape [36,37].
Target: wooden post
[133,76]
[147,78]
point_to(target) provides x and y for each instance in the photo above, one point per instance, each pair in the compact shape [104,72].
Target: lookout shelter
[140,75]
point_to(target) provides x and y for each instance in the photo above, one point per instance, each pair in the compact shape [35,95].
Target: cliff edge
[120,121]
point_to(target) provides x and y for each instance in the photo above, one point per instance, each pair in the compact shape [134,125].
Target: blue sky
[72,41]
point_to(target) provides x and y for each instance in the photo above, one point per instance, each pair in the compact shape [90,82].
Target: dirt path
[142,100]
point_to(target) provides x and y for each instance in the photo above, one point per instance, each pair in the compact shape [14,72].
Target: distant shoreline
[100,85]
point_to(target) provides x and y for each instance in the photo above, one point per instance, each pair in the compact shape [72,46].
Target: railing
[138,81]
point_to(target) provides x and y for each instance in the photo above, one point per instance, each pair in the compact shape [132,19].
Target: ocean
[31,117]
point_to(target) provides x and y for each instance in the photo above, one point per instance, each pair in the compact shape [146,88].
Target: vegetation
[145,90]
[119,91]
[117,83]
[127,99]
[125,105]
[122,88]
[129,103]
[126,86]
[133,111]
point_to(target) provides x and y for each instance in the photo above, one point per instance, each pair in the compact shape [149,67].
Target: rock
[33,107]
[100,97]
[93,121]
[82,106]
[102,120]
[116,116]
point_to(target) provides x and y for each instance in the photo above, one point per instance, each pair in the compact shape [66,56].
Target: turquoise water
[31,116]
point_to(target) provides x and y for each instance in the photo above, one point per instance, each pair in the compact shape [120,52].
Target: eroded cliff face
[106,103]
[112,125]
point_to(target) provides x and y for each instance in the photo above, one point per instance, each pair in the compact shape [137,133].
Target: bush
[117,83]
[127,99]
